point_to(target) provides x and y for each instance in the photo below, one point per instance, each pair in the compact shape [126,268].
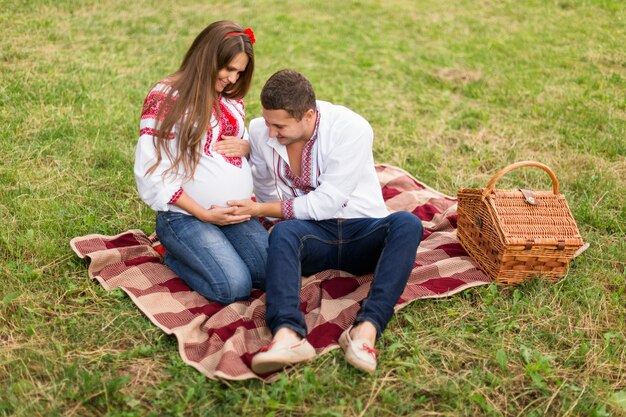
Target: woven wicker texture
[513,239]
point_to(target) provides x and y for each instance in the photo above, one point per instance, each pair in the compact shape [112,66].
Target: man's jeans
[361,246]
[222,263]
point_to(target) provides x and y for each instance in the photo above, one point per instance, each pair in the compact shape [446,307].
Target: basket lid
[548,222]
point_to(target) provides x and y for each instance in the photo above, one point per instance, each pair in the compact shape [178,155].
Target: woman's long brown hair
[191,98]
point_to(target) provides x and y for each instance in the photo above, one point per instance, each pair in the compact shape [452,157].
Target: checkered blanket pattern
[220,341]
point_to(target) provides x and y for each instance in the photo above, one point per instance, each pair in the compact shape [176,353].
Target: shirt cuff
[176,196]
[286,209]
[268,222]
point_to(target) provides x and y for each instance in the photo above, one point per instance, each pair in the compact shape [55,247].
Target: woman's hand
[223,216]
[232,146]
[220,216]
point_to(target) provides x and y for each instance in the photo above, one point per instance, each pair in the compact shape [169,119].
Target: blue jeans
[361,246]
[222,263]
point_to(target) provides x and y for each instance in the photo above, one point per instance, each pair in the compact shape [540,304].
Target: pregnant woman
[190,160]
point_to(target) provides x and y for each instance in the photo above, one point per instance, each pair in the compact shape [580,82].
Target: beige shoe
[359,353]
[276,356]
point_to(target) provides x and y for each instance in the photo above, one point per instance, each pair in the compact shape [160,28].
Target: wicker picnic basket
[514,235]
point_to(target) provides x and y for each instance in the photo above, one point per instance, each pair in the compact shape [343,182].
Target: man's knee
[406,222]
[286,230]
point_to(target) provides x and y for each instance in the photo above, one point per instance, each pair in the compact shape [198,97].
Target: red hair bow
[250,34]
[247,31]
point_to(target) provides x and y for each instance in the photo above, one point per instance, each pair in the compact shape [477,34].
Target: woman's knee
[238,288]
[218,275]
[241,289]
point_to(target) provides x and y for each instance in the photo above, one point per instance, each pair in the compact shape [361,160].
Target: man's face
[285,128]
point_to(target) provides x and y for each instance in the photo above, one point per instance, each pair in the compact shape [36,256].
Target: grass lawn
[454,90]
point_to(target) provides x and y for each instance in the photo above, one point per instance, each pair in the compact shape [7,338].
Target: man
[312,161]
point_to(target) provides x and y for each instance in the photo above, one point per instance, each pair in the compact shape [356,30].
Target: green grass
[454,90]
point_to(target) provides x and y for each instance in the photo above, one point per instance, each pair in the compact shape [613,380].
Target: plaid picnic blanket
[220,341]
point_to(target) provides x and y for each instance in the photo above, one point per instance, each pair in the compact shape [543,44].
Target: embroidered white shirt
[338,178]
[217,178]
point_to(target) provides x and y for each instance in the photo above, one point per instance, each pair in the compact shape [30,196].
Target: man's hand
[256,209]
[232,146]
[223,216]
[249,207]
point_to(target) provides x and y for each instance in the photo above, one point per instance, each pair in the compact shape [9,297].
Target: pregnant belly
[217,185]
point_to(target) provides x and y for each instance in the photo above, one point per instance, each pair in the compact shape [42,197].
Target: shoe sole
[345,344]
[265,367]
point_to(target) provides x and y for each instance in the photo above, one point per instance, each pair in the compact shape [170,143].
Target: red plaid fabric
[220,341]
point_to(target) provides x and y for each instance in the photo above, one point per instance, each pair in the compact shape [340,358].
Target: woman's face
[230,73]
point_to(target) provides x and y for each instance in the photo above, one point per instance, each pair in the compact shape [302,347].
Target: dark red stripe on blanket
[142,260]
[175,285]
[453,249]
[389,192]
[324,334]
[256,294]
[155,289]
[127,239]
[442,285]
[225,332]
[453,219]
[426,212]
[339,287]
[208,309]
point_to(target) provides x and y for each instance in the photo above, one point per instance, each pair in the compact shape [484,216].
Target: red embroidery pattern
[241,112]
[304,181]
[228,125]
[286,209]
[153,103]
[152,132]
[176,196]
[267,223]
[209,137]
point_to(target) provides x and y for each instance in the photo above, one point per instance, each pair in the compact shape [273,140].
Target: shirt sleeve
[260,162]
[156,189]
[349,154]
[241,109]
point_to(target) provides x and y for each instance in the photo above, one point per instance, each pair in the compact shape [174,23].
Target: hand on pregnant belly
[223,216]
[232,146]
[247,207]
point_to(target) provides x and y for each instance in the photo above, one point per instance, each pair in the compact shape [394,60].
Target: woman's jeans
[222,263]
[361,246]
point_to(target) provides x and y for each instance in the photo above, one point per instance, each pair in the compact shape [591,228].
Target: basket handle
[499,174]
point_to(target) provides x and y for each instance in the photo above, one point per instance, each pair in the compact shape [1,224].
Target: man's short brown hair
[290,91]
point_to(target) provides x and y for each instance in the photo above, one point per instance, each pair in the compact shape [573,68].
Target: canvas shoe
[276,356]
[359,353]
